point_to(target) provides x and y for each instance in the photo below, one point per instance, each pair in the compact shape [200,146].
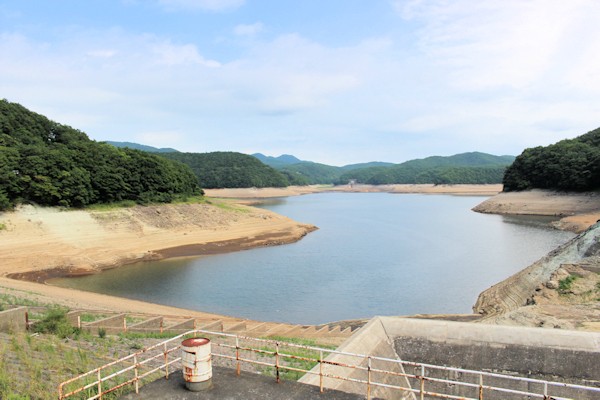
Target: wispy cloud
[248,29]
[442,78]
[208,5]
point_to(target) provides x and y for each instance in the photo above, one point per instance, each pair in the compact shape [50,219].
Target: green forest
[222,169]
[47,163]
[465,168]
[569,165]
[44,162]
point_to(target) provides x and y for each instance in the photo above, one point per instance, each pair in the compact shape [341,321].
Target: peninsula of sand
[38,243]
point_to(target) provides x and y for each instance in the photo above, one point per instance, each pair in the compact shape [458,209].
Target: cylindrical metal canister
[196,362]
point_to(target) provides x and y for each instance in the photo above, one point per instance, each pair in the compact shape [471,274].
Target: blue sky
[332,81]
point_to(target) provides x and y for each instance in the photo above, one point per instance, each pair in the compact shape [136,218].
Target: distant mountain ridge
[287,169]
[472,167]
[142,147]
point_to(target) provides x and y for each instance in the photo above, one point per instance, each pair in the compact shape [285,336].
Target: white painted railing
[158,360]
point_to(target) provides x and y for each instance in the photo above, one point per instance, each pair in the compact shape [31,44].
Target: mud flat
[579,211]
[38,243]
[257,193]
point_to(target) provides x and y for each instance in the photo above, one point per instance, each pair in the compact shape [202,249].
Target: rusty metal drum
[196,364]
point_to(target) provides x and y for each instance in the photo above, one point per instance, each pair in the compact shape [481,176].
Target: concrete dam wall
[514,291]
[545,354]
[502,353]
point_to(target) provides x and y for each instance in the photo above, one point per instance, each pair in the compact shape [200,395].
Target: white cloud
[208,5]
[102,53]
[170,54]
[490,76]
[248,29]
[508,43]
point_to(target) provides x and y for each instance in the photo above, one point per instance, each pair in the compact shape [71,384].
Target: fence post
[99,385]
[135,369]
[277,360]
[480,386]
[321,371]
[368,377]
[422,386]
[166,361]
[237,354]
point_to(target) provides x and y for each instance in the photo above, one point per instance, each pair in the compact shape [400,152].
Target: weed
[2,226]
[101,333]
[89,317]
[565,285]
[147,335]
[112,206]
[55,322]
[304,359]
[9,299]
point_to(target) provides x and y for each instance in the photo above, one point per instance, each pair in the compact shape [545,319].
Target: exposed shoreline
[578,211]
[40,243]
[261,193]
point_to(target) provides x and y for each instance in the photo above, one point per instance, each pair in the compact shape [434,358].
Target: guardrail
[157,361]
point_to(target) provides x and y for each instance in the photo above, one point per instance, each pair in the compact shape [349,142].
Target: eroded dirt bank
[541,294]
[579,211]
[37,239]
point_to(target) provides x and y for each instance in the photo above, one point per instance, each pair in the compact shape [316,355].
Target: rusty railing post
[99,385]
[369,378]
[135,369]
[277,360]
[422,385]
[321,371]
[166,361]
[480,386]
[237,355]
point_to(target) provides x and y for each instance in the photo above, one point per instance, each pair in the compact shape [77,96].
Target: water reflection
[374,254]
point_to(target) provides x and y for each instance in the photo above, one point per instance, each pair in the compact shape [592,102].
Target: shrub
[55,322]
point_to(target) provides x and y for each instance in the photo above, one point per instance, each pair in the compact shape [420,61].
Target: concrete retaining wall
[553,355]
[13,320]
[371,339]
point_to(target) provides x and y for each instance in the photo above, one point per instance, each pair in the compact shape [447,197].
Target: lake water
[374,254]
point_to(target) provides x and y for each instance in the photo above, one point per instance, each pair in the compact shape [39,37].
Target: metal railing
[157,361]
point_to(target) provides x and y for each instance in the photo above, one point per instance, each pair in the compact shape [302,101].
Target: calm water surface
[374,254]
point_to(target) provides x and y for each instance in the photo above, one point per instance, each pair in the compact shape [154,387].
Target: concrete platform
[228,386]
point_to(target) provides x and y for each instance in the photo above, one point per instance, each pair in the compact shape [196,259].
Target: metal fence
[369,372]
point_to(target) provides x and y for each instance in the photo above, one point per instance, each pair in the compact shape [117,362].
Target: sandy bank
[579,210]
[37,238]
[38,243]
[245,193]
[532,297]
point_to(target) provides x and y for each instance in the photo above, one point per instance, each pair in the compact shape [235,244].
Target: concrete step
[234,327]
[212,325]
[111,325]
[150,325]
[183,326]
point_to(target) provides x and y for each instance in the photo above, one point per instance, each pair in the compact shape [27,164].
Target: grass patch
[12,300]
[111,206]
[310,358]
[91,317]
[228,206]
[565,285]
[147,335]
[55,322]
[2,226]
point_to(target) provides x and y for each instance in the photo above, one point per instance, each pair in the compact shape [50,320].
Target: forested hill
[466,168]
[571,165]
[52,164]
[232,170]
[142,147]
